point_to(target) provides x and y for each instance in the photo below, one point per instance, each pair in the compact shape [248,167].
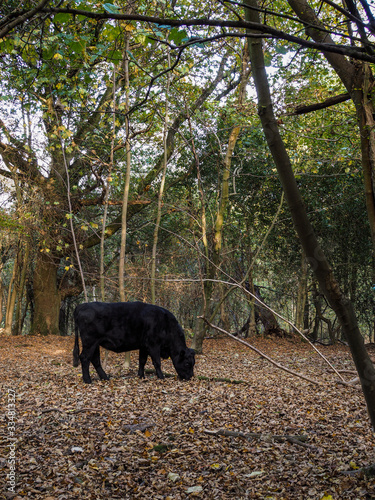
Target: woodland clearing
[130,438]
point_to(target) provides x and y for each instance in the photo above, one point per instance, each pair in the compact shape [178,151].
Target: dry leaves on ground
[130,438]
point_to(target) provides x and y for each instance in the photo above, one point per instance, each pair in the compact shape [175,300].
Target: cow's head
[184,363]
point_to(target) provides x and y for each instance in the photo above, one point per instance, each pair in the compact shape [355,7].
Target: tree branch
[331,101]
[354,52]
[23,17]
[112,228]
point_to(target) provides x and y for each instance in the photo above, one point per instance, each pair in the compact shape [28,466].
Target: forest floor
[130,438]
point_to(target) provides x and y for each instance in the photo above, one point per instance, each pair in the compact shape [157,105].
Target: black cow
[128,326]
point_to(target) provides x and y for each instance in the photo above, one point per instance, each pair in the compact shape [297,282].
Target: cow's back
[129,326]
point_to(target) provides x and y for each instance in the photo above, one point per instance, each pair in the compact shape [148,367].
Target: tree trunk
[12,294]
[201,326]
[161,189]
[46,296]
[1,300]
[125,198]
[213,265]
[266,317]
[17,329]
[314,253]
[107,188]
[302,294]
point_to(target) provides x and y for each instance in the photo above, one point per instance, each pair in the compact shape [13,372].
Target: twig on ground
[298,439]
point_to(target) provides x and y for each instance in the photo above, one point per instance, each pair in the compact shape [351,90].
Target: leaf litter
[223,434]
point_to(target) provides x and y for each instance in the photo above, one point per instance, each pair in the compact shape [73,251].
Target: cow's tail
[76,348]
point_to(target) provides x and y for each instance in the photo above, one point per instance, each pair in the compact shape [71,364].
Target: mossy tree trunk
[47,297]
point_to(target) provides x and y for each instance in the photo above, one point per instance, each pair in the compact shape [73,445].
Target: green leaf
[77,46]
[112,9]
[177,36]
[111,33]
[62,18]
[281,50]
[115,56]
[267,59]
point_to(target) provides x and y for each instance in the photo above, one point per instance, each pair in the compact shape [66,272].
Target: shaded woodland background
[92,99]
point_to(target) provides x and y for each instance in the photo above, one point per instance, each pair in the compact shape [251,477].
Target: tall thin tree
[314,252]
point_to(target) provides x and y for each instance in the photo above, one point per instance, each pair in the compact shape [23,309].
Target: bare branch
[261,354]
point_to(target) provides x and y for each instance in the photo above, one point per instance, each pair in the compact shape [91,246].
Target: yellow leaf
[128,27]
[353,465]
[147,433]
[58,56]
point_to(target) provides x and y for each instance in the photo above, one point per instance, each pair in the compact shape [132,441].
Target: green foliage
[57,96]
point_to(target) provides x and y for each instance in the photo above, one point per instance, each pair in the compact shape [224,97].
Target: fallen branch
[79,410]
[351,383]
[297,439]
[291,372]
[132,428]
[48,410]
[69,411]
[368,471]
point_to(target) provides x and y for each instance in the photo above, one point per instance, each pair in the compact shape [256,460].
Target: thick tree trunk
[47,297]
[314,253]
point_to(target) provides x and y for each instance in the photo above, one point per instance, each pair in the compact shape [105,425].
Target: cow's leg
[85,362]
[155,356]
[143,355]
[95,360]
